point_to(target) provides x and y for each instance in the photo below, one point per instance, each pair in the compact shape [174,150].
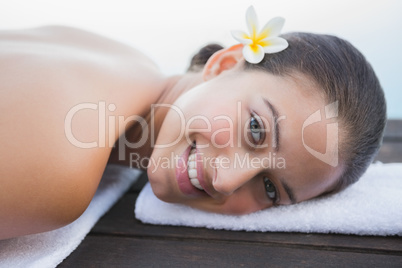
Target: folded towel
[372,206]
[50,248]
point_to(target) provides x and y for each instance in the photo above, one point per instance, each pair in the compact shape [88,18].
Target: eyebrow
[289,191]
[276,132]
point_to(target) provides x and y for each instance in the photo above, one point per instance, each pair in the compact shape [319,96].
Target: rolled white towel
[372,206]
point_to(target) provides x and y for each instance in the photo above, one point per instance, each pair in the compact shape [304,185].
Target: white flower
[257,43]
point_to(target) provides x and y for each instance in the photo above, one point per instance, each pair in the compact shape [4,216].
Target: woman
[228,136]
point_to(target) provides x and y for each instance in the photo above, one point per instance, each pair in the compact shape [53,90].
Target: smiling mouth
[192,168]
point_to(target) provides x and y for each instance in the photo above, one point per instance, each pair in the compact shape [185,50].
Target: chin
[159,188]
[163,195]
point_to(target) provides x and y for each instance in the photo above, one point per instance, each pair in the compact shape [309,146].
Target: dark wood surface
[119,240]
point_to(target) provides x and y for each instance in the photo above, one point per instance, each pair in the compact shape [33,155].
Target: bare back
[54,84]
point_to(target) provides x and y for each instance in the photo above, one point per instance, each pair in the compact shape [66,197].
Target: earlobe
[222,60]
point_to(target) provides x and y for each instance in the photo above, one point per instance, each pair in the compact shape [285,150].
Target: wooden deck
[119,240]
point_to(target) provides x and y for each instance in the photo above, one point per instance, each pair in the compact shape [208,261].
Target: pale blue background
[171,31]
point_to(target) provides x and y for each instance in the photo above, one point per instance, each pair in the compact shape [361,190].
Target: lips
[183,180]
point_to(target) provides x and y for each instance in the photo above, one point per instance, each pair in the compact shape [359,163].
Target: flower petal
[252,21]
[253,54]
[274,45]
[273,27]
[241,36]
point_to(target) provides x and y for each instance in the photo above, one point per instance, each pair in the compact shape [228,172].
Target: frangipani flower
[257,43]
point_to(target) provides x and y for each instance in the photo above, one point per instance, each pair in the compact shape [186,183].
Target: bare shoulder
[65,36]
[58,81]
[98,63]
[57,87]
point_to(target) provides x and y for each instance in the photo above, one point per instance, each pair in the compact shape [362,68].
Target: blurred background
[170,32]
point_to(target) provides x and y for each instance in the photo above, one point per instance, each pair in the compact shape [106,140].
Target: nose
[228,179]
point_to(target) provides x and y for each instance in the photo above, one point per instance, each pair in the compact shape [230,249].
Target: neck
[174,87]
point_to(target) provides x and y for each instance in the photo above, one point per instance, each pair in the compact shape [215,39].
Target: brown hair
[344,75]
[198,60]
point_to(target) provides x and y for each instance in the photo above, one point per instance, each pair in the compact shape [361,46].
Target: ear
[222,60]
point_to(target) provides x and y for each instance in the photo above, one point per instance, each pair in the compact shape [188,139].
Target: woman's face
[245,141]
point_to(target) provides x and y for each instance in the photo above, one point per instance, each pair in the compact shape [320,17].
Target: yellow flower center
[257,39]
[254,47]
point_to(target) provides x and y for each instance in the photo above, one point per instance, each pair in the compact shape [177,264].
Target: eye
[256,129]
[270,189]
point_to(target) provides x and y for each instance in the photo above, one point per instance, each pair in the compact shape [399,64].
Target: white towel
[50,248]
[372,206]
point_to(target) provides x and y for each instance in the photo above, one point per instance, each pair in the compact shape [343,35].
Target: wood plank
[139,184]
[120,221]
[138,252]
[390,152]
[393,130]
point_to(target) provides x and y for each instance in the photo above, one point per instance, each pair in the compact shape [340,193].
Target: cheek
[215,123]
[241,205]
[247,199]
[222,133]
[172,128]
